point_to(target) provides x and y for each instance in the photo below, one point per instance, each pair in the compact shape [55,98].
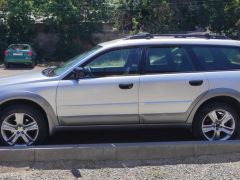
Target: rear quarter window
[218,58]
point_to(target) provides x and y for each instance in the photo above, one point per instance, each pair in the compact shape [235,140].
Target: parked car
[19,54]
[174,80]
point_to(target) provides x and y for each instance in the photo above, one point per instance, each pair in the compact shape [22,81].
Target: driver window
[116,62]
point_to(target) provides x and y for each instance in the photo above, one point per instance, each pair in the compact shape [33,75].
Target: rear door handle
[196,82]
[126,86]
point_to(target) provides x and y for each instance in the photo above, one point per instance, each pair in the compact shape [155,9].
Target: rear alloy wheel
[217,122]
[22,126]
[218,125]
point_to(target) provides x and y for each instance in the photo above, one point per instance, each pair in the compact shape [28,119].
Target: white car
[183,80]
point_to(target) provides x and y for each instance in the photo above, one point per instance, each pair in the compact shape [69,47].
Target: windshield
[63,67]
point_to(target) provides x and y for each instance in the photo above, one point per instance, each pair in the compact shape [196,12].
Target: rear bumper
[15,60]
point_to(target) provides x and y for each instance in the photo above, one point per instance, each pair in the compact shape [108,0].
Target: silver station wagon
[179,80]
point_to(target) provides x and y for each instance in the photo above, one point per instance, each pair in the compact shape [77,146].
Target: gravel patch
[203,167]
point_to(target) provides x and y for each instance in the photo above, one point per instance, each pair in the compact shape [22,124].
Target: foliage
[162,16]
[19,20]
[69,19]
[74,21]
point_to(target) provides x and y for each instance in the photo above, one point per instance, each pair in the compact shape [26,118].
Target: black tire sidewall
[33,64]
[34,113]
[6,65]
[197,126]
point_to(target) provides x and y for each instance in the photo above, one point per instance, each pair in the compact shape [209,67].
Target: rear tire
[216,121]
[33,64]
[22,125]
[6,65]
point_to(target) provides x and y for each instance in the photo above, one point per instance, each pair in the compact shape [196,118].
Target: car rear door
[169,85]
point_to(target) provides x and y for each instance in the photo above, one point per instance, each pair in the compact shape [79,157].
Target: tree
[134,16]
[232,19]
[75,20]
[20,20]
[3,27]
[220,16]
[71,20]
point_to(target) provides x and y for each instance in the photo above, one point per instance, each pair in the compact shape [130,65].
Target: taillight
[30,53]
[6,53]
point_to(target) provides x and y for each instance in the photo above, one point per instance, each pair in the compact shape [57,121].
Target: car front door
[108,93]
[169,85]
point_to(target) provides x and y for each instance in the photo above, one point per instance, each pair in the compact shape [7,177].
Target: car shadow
[120,135]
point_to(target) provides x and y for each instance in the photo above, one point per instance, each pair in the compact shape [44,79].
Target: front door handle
[196,82]
[126,86]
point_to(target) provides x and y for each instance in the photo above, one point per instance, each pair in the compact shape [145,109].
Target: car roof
[169,41]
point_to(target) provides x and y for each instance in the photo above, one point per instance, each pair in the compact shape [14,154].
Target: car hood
[21,78]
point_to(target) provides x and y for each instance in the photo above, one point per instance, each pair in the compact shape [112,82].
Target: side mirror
[78,73]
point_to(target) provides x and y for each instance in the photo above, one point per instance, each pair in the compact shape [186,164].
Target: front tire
[22,125]
[216,121]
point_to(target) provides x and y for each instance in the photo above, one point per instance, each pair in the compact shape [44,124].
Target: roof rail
[141,36]
[203,35]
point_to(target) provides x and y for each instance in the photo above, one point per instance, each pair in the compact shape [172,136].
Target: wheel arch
[227,96]
[36,101]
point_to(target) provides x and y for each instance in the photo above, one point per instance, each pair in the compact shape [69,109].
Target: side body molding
[212,93]
[51,114]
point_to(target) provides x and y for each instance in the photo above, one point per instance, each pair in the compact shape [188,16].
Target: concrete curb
[118,151]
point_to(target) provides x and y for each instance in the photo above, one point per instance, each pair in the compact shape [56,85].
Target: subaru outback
[175,80]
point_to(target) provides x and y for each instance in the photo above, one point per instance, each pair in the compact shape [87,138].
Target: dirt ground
[204,167]
[18,69]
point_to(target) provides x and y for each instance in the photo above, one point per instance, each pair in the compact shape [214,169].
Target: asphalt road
[115,135]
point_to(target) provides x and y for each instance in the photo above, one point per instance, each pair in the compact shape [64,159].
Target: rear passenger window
[167,59]
[218,58]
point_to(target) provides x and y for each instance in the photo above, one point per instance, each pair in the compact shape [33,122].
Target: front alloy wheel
[19,129]
[22,125]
